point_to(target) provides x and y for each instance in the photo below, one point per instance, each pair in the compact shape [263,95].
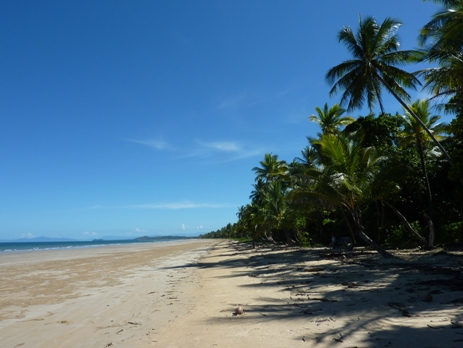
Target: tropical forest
[387,179]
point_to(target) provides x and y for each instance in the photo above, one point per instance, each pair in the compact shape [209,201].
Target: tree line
[386,179]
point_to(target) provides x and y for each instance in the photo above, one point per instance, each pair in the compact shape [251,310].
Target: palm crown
[330,119]
[375,55]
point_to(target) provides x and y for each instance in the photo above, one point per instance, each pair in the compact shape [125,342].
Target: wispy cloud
[243,99]
[227,150]
[236,150]
[224,151]
[245,154]
[153,143]
[168,206]
[226,146]
[179,205]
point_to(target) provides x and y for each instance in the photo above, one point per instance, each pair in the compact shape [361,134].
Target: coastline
[185,295]
[37,244]
[95,297]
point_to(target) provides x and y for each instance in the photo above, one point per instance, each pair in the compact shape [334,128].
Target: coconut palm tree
[252,221]
[330,119]
[413,133]
[346,179]
[442,39]
[376,55]
[444,32]
[271,168]
[257,195]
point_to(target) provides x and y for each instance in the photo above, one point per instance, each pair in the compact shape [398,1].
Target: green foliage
[442,41]
[373,66]
[456,150]
[452,234]
[399,237]
[369,179]
[243,239]
[229,231]
[304,239]
[331,119]
[378,131]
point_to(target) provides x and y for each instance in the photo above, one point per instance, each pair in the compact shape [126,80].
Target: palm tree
[251,220]
[270,199]
[271,168]
[257,195]
[376,54]
[444,30]
[330,119]
[413,134]
[346,179]
[442,39]
[446,81]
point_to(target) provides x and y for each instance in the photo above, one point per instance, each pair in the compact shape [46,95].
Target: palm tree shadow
[353,295]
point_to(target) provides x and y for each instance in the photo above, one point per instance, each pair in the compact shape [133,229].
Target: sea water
[7,247]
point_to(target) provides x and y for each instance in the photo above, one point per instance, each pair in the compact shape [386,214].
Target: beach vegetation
[392,179]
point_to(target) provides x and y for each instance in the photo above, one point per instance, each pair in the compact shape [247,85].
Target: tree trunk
[382,221]
[375,246]
[368,240]
[352,235]
[289,240]
[428,217]
[406,223]
[378,222]
[431,232]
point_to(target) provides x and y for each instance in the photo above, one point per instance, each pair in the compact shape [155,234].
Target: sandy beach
[185,295]
[95,297]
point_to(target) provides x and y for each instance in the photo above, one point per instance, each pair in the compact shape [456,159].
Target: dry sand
[186,295]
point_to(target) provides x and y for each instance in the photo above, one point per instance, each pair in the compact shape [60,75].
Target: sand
[95,297]
[185,295]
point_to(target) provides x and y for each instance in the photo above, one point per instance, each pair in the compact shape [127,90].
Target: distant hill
[106,238]
[149,239]
[37,239]
[114,238]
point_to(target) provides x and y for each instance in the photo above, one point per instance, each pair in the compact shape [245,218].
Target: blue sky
[129,118]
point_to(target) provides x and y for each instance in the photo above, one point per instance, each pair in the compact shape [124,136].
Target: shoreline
[18,247]
[95,297]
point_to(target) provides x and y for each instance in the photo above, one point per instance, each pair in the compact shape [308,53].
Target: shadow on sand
[415,298]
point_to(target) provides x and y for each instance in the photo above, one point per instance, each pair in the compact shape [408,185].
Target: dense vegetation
[391,179]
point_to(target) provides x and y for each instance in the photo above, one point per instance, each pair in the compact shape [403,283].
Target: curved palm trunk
[289,240]
[405,106]
[368,240]
[406,223]
[352,234]
[375,246]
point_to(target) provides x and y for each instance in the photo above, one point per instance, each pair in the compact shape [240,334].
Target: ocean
[8,247]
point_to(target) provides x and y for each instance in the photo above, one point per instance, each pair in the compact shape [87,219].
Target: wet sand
[95,297]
